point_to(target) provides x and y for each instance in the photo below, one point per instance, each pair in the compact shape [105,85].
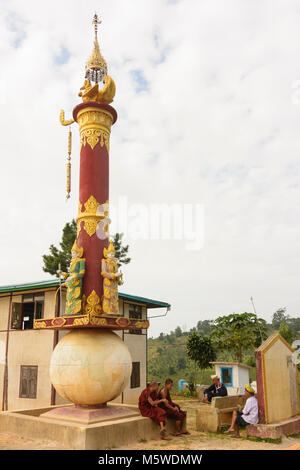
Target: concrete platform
[89,415]
[275,431]
[107,434]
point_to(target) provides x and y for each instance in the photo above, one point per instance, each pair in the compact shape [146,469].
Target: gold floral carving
[93,136]
[90,216]
[92,305]
[39,324]
[105,306]
[142,324]
[94,127]
[98,321]
[84,320]
[94,118]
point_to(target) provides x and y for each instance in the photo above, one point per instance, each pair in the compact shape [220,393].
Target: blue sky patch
[17,27]
[141,84]
[63,57]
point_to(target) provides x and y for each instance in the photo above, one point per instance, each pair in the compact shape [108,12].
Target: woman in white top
[249,415]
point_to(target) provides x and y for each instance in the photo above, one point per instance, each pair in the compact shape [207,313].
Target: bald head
[153,385]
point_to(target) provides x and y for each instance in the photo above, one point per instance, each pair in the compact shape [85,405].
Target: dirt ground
[196,441]
[211,441]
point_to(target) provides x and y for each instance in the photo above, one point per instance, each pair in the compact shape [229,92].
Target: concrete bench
[212,416]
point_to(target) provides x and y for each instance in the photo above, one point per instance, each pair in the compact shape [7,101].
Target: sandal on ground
[236,436]
[186,432]
[229,431]
[164,436]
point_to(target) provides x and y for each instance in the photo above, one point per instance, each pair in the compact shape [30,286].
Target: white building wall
[243,379]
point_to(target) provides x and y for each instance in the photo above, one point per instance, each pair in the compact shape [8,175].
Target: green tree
[238,333]
[278,317]
[204,326]
[181,364]
[294,323]
[121,252]
[201,351]
[286,332]
[62,255]
[171,338]
[178,332]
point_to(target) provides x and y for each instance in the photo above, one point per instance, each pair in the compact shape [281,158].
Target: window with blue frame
[226,376]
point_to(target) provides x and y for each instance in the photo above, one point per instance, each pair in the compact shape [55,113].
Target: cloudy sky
[208,101]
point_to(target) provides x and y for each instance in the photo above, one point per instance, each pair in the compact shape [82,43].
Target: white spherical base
[90,366]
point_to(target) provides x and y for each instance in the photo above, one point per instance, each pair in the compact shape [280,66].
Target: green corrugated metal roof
[55,283]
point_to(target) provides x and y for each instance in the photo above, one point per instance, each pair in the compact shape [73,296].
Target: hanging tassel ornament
[69,164]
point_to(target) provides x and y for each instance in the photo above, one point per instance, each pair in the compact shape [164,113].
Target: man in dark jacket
[217,389]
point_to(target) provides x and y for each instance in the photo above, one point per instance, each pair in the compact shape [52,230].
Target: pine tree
[121,252]
[62,256]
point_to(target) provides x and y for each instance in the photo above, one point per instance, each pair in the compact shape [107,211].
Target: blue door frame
[226,368]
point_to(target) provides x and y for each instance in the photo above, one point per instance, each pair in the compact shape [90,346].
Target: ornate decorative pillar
[92,280]
[95,121]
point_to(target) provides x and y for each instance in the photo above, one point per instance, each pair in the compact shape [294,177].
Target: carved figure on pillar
[74,281]
[111,279]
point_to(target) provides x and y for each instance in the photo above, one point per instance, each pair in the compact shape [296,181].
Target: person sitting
[173,411]
[148,406]
[249,415]
[217,389]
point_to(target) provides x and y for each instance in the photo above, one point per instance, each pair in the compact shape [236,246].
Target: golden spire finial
[95,22]
[96,67]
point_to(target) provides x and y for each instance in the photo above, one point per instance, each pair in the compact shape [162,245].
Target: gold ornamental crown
[96,67]
[110,249]
[77,250]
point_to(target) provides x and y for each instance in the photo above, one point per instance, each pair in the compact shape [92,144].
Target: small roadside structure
[234,375]
[278,393]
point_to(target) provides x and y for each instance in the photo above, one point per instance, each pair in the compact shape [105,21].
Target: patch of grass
[267,439]
[295,436]
[142,441]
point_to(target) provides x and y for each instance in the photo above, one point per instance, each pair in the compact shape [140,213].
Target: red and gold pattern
[91,321]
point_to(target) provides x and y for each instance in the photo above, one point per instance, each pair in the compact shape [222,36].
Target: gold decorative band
[94,126]
[90,320]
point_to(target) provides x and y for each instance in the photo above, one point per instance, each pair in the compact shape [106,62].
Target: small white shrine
[234,375]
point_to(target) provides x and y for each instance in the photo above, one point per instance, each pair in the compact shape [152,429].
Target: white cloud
[216,125]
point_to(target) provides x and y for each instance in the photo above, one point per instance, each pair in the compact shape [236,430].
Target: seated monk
[217,389]
[148,405]
[172,410]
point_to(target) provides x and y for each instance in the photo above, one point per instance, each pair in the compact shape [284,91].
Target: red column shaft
[93,118]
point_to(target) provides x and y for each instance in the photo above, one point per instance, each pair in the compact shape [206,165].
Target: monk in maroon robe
[173,411]
[148,405]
